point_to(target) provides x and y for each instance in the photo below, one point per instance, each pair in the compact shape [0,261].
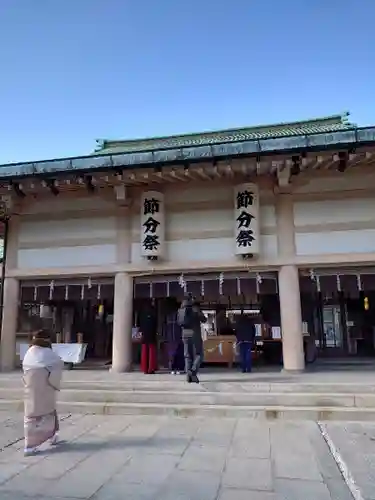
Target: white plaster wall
[337,182]
[67,256]
[69,242]
[207,220]
[209,249]
[183,230]
[194,235]
[331,242]
[71,229]
[319,226]
[198,221]
[333,211]
[61,204]
[213,220]
[187,194]
[206,192]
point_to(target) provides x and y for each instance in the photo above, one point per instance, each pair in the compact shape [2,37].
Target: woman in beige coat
[42,371]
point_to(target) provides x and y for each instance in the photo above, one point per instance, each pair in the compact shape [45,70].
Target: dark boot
[194,377]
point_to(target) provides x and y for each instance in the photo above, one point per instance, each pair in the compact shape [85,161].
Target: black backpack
[186,317]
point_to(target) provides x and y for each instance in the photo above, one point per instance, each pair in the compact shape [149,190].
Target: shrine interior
[338,314]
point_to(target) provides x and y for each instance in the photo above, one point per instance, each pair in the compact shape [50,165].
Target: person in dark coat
[148,329]
[245,334]
[190,317]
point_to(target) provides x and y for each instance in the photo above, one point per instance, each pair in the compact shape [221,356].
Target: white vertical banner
[152,224]
[246,219]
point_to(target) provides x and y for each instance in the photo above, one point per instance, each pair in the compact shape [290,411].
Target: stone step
[253,412]
[198,397]
[178,383]
[108,386]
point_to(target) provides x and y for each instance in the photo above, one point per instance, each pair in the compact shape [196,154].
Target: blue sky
[77,70]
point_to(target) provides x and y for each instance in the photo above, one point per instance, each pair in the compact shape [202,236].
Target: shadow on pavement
[121,443]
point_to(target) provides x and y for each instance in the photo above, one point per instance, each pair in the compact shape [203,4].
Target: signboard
[246,219]
[152,224]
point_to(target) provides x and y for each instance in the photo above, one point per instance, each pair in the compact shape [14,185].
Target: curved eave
[338,140]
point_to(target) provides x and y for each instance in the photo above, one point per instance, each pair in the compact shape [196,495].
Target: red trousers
[149,363]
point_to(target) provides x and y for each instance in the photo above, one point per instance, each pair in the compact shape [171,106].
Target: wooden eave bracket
[283,177]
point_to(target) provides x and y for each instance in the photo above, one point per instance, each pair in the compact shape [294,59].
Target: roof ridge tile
[318,125]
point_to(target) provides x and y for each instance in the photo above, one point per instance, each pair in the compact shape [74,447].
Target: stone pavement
[355,443]
[169,458]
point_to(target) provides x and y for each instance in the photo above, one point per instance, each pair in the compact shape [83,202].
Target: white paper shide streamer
[246,219]
[152,224]
[182,282]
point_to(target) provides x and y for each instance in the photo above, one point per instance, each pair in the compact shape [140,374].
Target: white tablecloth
[69,353]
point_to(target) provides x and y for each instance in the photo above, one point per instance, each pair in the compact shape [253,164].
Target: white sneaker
[178,373]
[173,373]
[29,452]
[54,441]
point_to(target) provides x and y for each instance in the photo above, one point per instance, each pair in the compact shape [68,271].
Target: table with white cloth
[72,354]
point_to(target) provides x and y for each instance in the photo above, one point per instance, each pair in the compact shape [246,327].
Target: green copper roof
[319,125]
[333,136]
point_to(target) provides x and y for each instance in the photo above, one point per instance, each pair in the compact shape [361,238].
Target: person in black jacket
[148,329]
[190,317]
[245,334]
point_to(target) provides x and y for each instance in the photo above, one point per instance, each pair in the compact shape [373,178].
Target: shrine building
[278,220]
